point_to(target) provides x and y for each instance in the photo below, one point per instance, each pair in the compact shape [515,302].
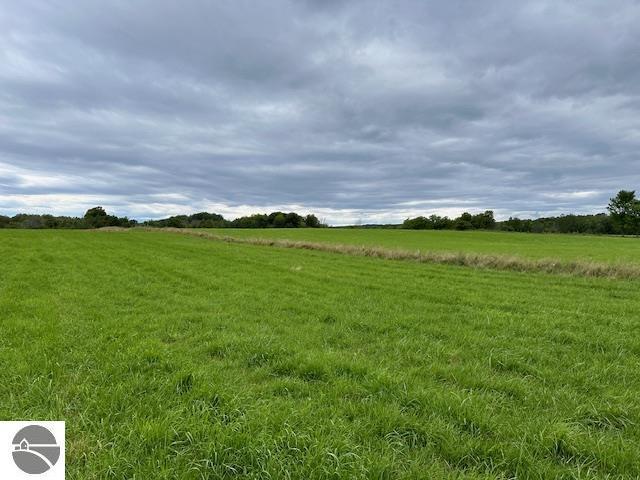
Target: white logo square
[32,450]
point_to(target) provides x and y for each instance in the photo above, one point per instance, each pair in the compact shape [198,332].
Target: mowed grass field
[533,246]
[171,356]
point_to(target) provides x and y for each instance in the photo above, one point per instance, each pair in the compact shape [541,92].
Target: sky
[358,111]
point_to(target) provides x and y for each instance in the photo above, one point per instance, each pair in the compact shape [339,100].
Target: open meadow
[566,247]
[172,356]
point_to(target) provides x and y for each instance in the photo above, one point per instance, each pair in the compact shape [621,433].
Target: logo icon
[35,449]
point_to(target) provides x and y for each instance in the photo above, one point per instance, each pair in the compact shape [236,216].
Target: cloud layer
[358,111]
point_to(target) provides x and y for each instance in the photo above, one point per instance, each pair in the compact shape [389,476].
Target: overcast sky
[359,111]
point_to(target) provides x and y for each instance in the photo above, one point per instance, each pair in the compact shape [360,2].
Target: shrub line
[483,261]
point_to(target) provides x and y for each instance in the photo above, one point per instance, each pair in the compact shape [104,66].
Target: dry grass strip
[495,262]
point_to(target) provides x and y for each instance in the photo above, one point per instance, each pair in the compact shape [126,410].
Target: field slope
[172,356]
[527,245]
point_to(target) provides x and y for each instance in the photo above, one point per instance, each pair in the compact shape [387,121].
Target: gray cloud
[368,111]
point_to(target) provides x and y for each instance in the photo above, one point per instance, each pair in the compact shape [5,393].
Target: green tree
[95,212]
[279,220]
[440,223]
[625,212]
[311,221]
[293,220]
[96,217]
[483,221]
[464,222]
[418,223]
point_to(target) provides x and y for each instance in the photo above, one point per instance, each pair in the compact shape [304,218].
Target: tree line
[259,220]
[97,217]
[466,221]
[623,219]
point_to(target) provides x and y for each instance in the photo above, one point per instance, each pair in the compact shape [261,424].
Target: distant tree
[95,212]
[625,212]
[293,220]
[33,221]
[418,223]
[96,217]
[206,220]
[433,222]
[177,221]
[311,221]
[440,223]
[483,221]
[278,220]
[258,220]
[464,222]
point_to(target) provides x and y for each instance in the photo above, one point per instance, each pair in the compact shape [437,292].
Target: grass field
[556,246]
[171,356]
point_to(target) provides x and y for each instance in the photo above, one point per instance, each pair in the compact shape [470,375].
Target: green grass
[171,356]
[527,245]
